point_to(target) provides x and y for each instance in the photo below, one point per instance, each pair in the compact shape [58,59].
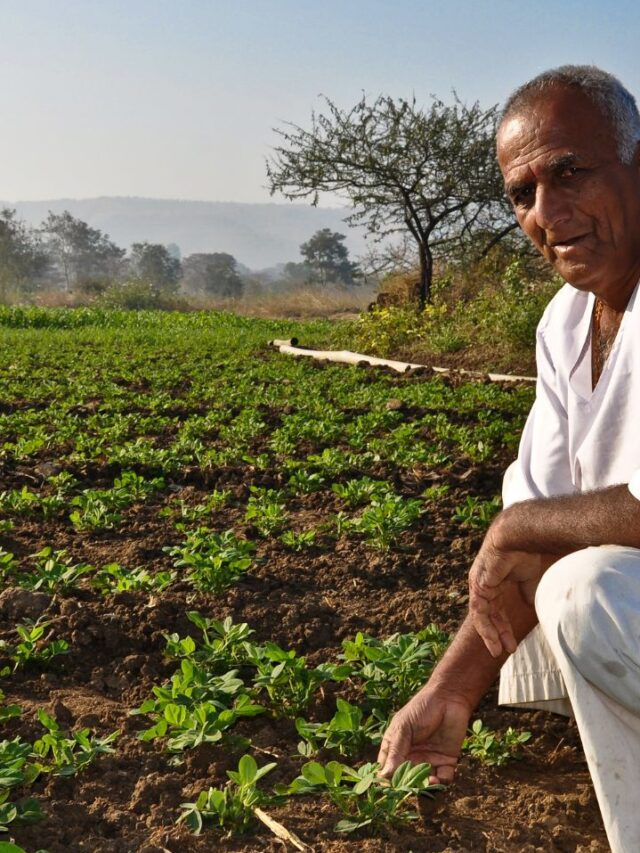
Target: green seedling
[65,755]
[214,560]
[224,643]
[434,494]
[8,712]
[19,501]
[301,541]
[33,650]
[348,731]
[476,513]
[266,511]
[386,519]
[330,463]
[491,748]
[358,492]
[305,482]
[362,797]
[286,679]
[192,685]
[93,512]
[26,811]
[115,578]
[198,512]
[54,572]
[15,769]
[394,668]
[230,808]
[204,723]
[9,566]
[196,707]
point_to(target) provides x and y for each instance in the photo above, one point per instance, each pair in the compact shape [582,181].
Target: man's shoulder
[564,312]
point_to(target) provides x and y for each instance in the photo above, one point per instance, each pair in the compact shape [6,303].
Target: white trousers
[584,659]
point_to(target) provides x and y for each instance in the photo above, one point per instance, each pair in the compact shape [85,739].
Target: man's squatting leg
[588,604]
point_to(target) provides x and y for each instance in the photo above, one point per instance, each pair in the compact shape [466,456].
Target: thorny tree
[432,172]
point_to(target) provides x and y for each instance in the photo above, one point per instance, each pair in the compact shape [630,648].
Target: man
[555,588]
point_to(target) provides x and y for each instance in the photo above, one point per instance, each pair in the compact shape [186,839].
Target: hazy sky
[178,99]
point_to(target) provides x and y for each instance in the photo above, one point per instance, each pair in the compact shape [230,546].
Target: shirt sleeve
[543,467]
[634,484]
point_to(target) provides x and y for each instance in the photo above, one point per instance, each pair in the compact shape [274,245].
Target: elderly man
[555,588]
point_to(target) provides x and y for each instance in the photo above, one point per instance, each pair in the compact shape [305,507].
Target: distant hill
[257,235]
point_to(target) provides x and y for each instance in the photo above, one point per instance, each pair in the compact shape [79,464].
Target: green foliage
[327,258]
[394,668]
[298,542]
[231,807]
[26,811]
[348,731]
[53,572]
[491,748]
[266,510]
[286,679]
[386,519]
[224,643]
[115,578]
[357,492]
[476,513]
[33,650]
[364,799]
[214,560]
[65,755]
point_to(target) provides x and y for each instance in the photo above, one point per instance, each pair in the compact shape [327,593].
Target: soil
[129,801]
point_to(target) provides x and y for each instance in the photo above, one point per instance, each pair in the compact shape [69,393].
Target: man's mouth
[568,247]
[567,242]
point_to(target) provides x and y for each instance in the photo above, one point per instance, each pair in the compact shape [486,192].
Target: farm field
[210,551]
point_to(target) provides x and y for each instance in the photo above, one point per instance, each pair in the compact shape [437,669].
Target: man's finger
[394,751]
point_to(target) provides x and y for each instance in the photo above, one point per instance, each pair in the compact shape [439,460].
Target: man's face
[573,198]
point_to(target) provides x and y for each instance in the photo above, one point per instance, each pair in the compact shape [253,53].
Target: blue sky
[178,99]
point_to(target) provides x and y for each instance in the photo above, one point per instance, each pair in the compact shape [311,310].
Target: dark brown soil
[130,801]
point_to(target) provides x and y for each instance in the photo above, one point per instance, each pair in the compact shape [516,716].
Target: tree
[214,273]
[432,173]
[78,251]
[327,258]
[155,264]
[23,260]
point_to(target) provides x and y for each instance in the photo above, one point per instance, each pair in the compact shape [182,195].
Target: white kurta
[575,439]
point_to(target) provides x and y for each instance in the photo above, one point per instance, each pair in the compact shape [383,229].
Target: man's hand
[430,728]
[494,570]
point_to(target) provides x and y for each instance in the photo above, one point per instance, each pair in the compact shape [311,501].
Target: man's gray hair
[605,91]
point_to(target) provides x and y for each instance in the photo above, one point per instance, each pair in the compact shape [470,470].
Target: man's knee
[588,604]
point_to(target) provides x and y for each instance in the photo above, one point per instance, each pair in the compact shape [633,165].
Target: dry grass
[304,302]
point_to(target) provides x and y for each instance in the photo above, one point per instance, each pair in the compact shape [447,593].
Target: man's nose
[552,208]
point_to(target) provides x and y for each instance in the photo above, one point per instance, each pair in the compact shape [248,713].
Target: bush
[137,295]
[489,311]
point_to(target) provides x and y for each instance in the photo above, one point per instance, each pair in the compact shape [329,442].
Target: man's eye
[569,171]
[522,196]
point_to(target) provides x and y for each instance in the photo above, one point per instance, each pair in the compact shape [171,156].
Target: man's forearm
[565,524]
[467,669]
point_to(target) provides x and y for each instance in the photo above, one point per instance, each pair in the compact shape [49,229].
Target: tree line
[68,254]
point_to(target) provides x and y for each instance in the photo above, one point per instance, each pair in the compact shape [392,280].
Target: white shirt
[577,439]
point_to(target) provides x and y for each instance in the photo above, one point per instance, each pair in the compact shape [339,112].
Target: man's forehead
[561,119]
[555,132]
